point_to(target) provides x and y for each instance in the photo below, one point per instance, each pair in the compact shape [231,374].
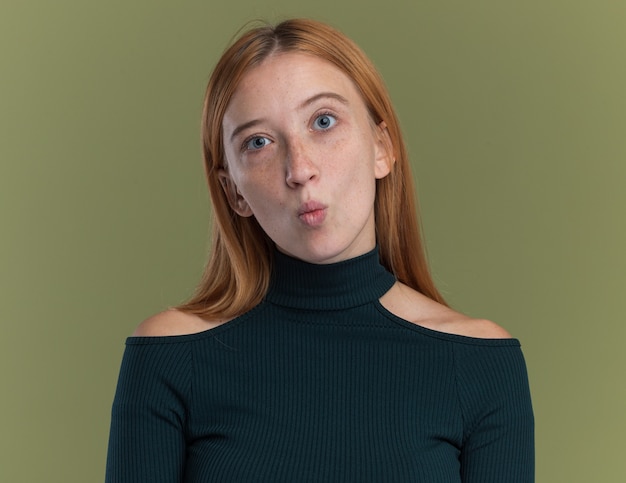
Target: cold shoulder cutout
[408,304]
[482,329]
[173,322]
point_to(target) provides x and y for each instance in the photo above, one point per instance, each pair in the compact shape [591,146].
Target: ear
[384,151]
[235,199]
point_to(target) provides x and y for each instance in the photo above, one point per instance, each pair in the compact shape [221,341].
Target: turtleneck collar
[341,285]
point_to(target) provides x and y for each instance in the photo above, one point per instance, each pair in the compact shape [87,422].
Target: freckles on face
[303,156]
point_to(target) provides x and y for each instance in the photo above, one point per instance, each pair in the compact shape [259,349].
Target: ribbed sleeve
[147,442]
[498,440]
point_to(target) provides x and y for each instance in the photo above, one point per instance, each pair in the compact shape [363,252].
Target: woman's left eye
[324,121]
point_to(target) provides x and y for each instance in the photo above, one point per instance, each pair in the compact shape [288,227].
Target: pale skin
[303,156]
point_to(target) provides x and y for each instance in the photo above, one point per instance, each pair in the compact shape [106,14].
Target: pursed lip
[312,213]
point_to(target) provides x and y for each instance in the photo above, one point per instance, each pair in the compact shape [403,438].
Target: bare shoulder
[414,307]
[478,328]
[173,322]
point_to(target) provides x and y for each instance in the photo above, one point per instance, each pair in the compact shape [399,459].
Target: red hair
[237,274]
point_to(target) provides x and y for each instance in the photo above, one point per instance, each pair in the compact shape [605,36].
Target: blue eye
[324,121]
[256,142]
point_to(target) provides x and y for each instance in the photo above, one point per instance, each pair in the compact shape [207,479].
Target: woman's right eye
[257,142]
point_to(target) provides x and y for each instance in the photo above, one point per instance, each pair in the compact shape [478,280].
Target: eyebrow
[244,126]
[309,101]
[323,95]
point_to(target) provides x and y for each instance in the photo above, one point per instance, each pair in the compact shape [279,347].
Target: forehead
[290,77]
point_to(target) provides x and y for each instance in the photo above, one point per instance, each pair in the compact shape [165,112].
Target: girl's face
[303,156]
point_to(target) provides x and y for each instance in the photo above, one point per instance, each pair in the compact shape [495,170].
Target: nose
[300,167]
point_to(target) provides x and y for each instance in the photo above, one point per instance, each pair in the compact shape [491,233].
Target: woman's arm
[147,439]
[499,424]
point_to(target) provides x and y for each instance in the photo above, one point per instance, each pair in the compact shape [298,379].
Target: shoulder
[415,307]
[469,327]
[173,322]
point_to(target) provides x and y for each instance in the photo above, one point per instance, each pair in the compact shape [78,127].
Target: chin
[321,253]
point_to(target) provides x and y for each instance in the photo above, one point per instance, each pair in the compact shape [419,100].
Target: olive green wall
[515,113]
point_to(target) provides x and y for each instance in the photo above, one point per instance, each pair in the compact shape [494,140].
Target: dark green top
[320,383]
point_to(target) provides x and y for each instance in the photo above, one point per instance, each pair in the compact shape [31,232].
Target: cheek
[357,164]
[260,190]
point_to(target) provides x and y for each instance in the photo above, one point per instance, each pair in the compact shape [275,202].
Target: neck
[333,286]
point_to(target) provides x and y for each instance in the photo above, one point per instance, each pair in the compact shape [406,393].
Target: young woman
[317,347]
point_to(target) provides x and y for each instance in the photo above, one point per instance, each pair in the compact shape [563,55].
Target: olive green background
[515,114]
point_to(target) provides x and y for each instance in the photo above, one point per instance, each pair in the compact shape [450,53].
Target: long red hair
[237,274]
